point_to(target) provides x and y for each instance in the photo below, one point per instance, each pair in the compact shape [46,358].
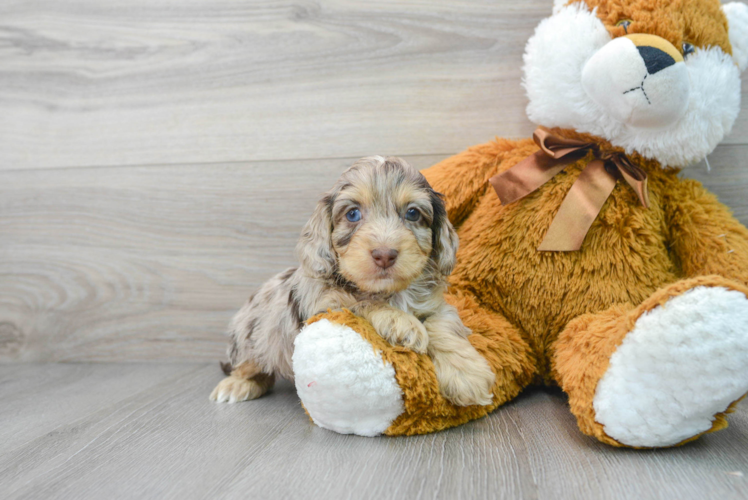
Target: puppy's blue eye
[412,215]
[353,215]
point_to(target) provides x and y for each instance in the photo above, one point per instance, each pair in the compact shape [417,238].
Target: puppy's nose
[384,257]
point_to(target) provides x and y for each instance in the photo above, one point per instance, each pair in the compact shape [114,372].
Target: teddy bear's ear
[737,21]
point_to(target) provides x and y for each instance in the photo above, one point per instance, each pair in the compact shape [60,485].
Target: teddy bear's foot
[683,364]
[353,381]
[343,382]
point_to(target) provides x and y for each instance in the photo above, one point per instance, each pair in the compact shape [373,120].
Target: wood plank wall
[158,158]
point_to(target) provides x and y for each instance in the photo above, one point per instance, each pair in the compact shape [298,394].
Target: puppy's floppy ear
[314,248]
[444,237]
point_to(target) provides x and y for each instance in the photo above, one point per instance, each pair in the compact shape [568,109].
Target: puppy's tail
[226,368]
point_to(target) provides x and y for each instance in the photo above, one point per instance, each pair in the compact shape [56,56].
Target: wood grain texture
[164,439]
[728,177]
[150,263]
[75,391]
[145,262]
[87,83]
[124,233]
[157,161]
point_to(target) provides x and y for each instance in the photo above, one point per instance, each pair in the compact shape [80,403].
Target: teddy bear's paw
[682,364]
[464,380]
[400,328]
[233,390]
[343,382]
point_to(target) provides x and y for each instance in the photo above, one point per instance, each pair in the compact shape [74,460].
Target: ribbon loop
[587,195]
[634,177]
[558,147]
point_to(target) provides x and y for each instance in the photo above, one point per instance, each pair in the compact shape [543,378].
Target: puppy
[379,243]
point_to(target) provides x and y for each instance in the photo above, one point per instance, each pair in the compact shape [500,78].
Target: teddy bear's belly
[624,259]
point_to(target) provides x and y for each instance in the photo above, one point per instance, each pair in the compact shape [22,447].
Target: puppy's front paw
[465,381]
[402,329]
[233,389]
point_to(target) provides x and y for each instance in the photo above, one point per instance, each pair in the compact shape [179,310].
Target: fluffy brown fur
[696,22]
[562,314]
[556,317]
[626,259]
[585,346]
[379,207]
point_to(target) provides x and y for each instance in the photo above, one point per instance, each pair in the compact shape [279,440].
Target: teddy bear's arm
[463,178]
[704,236]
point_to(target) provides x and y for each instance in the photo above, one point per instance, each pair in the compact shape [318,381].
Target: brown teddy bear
[584,261]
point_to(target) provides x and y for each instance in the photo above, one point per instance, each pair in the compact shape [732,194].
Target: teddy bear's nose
[384,257]
[640,80]
[656,52]
[655,59]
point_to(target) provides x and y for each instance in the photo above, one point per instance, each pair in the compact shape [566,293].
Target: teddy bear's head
[657,77]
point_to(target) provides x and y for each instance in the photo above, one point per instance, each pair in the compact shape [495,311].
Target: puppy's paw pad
[468,390]
[415,341]
[468,386]
[407,331]
[232,390]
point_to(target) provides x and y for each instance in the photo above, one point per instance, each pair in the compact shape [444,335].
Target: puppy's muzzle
[640,80]
[384,257]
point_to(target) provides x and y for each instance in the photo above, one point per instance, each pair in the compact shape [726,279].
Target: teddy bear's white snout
[639,80]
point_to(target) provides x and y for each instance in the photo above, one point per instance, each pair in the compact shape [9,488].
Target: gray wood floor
[148,431]
[157,162]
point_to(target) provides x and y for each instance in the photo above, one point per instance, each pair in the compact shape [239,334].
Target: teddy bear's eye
[688,49]
[625,23]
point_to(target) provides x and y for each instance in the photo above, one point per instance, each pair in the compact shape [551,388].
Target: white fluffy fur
[683,363]
[612,74]
[342,382]
[554,59]
[737,19]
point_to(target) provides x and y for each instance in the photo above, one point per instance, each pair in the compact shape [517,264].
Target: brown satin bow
[587,195]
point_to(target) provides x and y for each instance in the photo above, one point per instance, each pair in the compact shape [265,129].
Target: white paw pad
[342,382]
[683,363]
